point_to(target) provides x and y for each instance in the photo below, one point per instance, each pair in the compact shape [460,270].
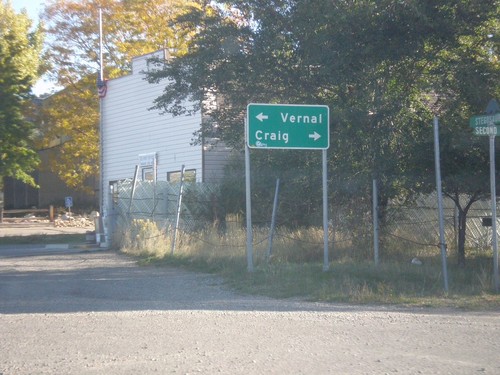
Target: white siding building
[160,144]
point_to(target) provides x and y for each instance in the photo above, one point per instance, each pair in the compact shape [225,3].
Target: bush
[143,237]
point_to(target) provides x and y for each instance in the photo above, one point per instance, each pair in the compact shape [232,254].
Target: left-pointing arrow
[315,136]
[261,117]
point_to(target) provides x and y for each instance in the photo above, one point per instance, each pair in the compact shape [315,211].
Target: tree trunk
[462,223]
[462,227]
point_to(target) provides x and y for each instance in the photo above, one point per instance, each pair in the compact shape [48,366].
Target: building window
[148,164]
[148,174]
[147,160]
[175,176]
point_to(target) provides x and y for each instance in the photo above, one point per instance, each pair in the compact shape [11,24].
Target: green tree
[20,49]
[375,63]
[406,53]
[471,80]
[68,123]
[130,28]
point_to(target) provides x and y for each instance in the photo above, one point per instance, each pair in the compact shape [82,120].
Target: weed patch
[294,268]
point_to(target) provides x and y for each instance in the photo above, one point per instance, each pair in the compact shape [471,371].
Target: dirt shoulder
[99,313]
[43,228]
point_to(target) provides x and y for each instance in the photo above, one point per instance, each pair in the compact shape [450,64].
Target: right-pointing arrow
[315,136]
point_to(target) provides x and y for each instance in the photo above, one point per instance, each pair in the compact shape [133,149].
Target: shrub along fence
[164,204]
[201,206]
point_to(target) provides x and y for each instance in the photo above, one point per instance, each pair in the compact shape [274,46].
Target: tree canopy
[20,48]
[384,67]
[130,28]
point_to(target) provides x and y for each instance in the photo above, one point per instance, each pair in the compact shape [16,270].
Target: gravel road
[64,311]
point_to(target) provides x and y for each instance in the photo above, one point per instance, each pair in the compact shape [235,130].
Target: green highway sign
[482,124]
[288,126]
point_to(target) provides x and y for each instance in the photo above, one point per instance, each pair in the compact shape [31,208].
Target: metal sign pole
[287,126]
[494,242]
[439,191]
[101,79]
[326,262]
[489,124]
[248,206]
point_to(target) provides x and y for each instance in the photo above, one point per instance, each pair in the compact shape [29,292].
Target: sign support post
[489,124]
[248,199]
[287,126]
[326,262]
[494,241]
[439,188]
[68,202]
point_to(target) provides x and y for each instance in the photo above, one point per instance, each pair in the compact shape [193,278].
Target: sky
[33,7]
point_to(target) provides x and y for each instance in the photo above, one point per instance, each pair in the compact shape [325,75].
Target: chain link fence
[414,225]
[159,202]
[418,223]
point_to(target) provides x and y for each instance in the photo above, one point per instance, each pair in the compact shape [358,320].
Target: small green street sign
[288,126]
[482,124]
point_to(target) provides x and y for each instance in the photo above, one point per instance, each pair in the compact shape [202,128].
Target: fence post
[375,223]
[273,219]
[179,203]
[134,182]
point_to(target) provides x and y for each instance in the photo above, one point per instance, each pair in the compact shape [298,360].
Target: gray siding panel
[216,156]
[131,128]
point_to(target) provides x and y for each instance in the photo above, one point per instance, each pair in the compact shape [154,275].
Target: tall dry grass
[294,267]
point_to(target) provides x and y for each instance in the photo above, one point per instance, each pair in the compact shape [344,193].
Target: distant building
[52,190]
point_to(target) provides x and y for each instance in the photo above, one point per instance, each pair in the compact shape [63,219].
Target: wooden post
[51,213]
